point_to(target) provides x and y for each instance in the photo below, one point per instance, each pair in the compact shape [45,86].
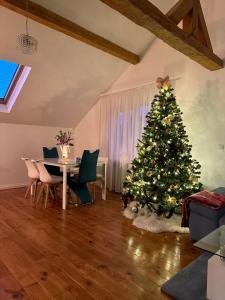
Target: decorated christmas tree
[163,172]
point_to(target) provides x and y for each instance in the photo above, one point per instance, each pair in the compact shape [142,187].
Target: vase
[65,150]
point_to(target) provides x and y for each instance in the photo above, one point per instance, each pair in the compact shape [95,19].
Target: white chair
[48,181]
[34,177]
[101,174]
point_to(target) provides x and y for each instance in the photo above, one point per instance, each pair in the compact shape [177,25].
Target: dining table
[66,166]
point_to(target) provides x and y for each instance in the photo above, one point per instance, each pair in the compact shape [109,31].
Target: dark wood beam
[148,16]
[56,22]
[190,21]
[190,11]
[180,10]
[203,28]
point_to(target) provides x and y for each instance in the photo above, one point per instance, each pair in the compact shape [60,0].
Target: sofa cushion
[222,221]
[219,190]
[200,226]
[204,219]
[207,212]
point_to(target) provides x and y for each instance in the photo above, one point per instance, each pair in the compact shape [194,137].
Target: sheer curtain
[122,120]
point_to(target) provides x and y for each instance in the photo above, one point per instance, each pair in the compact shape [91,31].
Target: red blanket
[209,199]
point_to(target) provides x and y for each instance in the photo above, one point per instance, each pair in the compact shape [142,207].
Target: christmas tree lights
[163,172]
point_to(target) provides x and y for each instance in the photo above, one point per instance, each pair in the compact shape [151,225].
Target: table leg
[64,202]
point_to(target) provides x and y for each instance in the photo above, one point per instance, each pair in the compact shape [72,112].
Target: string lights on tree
[163,172]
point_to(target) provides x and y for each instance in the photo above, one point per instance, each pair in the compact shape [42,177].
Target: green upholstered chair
[87,173]
[51,153]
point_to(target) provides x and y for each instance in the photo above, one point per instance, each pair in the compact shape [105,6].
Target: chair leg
[51,193]
[28,188]
[94,196]
[47,194]
[91,189]
[33,198]
[39,194]
[83,193]
[32,192]
[35,189]
[77,200]
[55,192]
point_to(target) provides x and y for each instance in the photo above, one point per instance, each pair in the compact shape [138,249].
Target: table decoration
[64,141]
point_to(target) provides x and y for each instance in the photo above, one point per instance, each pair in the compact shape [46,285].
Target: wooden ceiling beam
[57,22]
[148,16]
[190,21]
[190,11]
[203,27]
[179,10]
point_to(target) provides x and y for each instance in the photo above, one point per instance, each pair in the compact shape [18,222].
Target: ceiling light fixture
[27,44]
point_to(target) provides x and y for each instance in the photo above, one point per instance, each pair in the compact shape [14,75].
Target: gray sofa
[203,219]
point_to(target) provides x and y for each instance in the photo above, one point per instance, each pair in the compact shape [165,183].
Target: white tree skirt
[151,222]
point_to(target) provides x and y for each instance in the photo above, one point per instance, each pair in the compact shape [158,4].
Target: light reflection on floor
[166,257]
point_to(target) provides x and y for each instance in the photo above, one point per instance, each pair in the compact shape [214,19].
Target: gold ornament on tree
[149,173]
[171,200]
[167,120]
[193,179]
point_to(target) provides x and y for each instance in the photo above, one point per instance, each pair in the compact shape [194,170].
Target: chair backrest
[31,169]
[50,152]
[44,175]
[88,165]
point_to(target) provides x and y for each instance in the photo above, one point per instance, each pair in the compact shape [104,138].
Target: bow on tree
[163,83]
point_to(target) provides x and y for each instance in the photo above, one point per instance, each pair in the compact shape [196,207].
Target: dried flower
[64,138]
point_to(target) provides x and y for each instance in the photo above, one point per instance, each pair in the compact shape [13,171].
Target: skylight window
[8,71]
[12,79]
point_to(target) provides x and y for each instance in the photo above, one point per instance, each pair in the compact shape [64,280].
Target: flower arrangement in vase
[64,141]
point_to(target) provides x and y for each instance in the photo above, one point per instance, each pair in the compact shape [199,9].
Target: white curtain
[121,124]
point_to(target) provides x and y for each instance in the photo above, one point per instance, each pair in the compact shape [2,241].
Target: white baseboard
[12,186]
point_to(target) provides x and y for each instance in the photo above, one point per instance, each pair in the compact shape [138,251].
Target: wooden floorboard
[86,252]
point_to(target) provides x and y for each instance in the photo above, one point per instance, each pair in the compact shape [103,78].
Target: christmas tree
[163,172]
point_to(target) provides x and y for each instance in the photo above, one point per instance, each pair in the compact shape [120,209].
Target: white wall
[87,133]
[200,94]
[21,141]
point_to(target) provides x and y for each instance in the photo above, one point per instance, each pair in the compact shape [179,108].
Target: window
[12,78]
[8,72]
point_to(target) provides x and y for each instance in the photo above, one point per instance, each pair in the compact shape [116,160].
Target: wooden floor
[89,252]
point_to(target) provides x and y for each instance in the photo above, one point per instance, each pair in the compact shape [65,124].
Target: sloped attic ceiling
[67,75]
